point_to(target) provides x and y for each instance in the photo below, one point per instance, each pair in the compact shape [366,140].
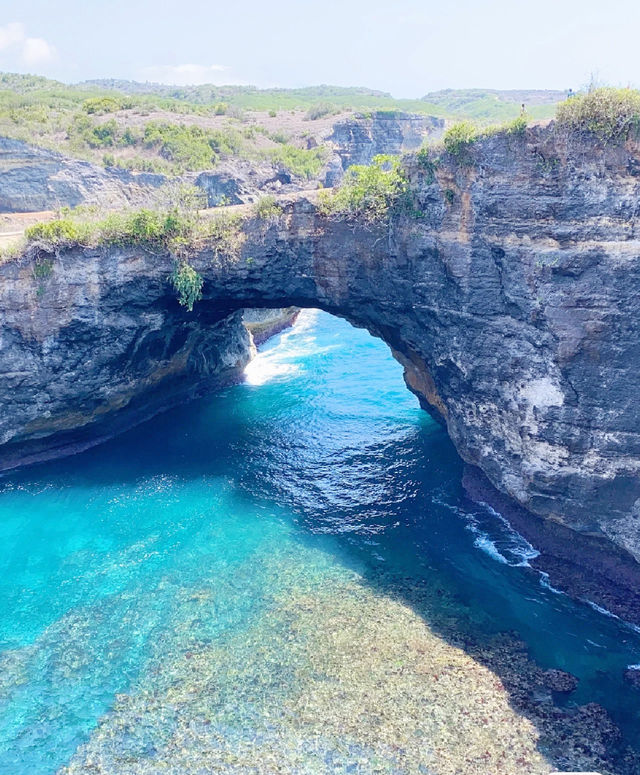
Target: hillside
[293,135]
[495,105]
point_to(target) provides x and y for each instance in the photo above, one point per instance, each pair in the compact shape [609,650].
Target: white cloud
[186,75]
[29,51]
[11,34]
[36,51]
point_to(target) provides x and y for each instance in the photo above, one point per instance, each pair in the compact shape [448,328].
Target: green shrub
[191,147]
[131,136]
[226,141]
[273,113]
[367,192]
[38,114]
[187,146]
[140,164]
[177,229]
[319,110]
[101,105]
[158,229]
[103,135]
[300,162]
[56,233]
[609,114]
[84,133]
[186,198]
[280,137]
[43,268]
[427,162]
[188,284]
[224,234]
[267,208]
[459,138]
[518,126]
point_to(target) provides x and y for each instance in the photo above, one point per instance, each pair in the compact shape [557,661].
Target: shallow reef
[336,677]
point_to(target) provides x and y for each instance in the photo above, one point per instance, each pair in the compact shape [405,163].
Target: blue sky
[405,47]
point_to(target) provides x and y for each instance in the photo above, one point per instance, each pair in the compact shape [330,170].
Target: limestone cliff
[509,291]
[33,179]
[358,139]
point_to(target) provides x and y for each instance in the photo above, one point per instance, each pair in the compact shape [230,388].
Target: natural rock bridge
[511,298]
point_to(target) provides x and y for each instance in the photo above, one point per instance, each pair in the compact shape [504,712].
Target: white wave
[511,542]
[544,582]
[517,544]
[606,612]
[600,609]
[263,369]
[633,667]
[440,500]
[281,361]
[486,544]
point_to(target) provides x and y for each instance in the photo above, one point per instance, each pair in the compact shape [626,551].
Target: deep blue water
[322,456]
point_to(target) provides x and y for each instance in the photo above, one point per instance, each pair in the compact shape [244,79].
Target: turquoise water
[320,469]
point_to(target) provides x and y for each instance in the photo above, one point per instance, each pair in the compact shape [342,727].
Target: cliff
[508,291]
[33,179]
[357,140]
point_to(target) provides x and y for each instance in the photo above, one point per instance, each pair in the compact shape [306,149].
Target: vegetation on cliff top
[484,105]
[144,131]
[267,208]
[176,228]
[366,192]
[459,138]
[156,230]
[609,114]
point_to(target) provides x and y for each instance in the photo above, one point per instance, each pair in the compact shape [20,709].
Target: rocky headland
[507,290]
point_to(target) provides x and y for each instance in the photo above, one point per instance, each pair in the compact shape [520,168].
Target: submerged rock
[559,681]
[632,675]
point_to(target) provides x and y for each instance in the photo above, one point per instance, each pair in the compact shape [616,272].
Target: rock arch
[509,294]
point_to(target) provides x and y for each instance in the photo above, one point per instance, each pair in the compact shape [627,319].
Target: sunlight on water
[287,577]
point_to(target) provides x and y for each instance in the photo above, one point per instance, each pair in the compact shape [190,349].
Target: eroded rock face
[82,361]
[236,181]
[33,179]
[511,299]
[357,140]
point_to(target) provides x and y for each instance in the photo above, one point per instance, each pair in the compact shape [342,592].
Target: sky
[404,47]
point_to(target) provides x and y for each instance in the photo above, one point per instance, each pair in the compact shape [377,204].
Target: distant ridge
[322,91]
[484,106]
[531,96]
